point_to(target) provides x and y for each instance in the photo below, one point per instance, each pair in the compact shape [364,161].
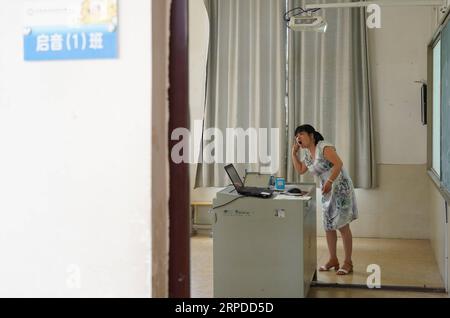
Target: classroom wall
[398,58]
[160,148]
[438,226]
[398,55]
[198,54]
[75,140]
[399,208]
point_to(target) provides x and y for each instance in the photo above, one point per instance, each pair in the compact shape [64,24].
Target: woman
[338,196]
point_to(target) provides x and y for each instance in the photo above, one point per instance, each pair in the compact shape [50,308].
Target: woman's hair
[310,130]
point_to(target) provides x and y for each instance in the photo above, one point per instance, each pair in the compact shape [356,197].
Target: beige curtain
[329,88]
[246,79]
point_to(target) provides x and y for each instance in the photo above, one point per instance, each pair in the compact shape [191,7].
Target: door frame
[179,220]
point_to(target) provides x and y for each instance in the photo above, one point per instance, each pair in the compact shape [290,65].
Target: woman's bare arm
[299,166]
[330,154]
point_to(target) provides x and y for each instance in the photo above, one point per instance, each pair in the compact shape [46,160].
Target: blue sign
[70,29]
[280,184]
[64,43]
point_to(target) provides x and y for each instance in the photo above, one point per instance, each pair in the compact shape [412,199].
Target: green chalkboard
[445,116]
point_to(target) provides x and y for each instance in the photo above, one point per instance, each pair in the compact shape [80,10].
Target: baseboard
[419,289]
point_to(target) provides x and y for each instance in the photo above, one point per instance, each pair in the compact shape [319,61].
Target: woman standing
[338,196]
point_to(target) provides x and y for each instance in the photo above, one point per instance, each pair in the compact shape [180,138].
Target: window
[436,164]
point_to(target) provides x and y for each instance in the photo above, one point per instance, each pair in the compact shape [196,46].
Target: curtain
[329,88]
[246,88]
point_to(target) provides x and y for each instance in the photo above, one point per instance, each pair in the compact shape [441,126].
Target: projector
[308,23]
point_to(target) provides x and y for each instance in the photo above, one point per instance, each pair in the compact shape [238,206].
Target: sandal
[346,269]
[329,266]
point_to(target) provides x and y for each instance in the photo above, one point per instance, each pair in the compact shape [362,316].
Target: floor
[398,264]
[363,293]
[402,263]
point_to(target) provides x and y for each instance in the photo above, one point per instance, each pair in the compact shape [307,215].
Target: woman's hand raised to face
[295,147]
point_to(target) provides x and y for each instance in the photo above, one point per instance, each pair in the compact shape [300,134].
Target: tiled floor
[365,293]
[402,263]
[201,267]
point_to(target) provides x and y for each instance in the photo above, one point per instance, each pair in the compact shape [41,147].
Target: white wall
[75,166]
[399,208]
[198,54]
[438,226]
[160,148]
[398,53]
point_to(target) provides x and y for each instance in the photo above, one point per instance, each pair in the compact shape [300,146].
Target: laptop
[247,191]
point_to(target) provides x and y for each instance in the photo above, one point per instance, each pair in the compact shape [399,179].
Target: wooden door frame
[179,222]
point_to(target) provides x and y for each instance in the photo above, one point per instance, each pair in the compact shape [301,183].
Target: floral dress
[339,205]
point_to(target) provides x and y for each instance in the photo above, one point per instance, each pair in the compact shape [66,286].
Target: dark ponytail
[310,130]
[318,137]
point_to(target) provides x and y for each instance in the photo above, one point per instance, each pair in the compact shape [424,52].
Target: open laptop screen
[234,176]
